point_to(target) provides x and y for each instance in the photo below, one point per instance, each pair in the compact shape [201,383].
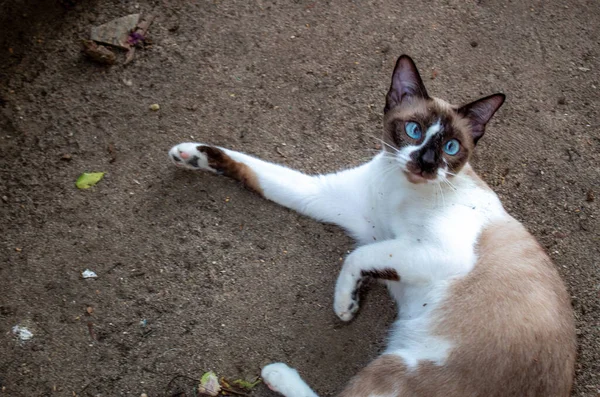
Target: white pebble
[22,333]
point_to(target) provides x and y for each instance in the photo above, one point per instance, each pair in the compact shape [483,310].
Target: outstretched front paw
[196,156]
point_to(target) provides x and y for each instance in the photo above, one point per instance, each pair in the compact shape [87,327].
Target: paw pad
[191,156]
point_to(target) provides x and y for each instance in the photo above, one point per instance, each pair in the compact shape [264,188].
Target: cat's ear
[406,82]
[480,112]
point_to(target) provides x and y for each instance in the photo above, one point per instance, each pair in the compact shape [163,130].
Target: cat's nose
[428,159]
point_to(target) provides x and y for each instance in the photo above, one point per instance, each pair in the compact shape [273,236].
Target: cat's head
[430,138]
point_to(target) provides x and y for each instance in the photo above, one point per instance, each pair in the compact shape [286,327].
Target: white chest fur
[443,223]
[450,216]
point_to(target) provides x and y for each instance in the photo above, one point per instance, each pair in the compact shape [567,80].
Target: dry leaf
[209,384]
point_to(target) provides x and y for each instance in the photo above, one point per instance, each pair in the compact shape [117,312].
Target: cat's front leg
[285,380]
[354,272]
[394,260]
[285,186]
[338,198]
[198,156]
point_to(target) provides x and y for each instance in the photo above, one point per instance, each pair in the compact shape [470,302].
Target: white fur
[433,129]
[285,380]
[425,232]
[189,149]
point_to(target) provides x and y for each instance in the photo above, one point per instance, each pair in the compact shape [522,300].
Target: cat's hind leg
[285,380]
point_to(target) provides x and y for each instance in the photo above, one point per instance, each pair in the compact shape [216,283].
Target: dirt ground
[194,272]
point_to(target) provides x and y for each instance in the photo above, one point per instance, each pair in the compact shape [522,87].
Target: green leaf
[244,384]
[88,179]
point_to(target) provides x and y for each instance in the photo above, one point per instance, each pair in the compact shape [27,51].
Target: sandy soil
[223,279]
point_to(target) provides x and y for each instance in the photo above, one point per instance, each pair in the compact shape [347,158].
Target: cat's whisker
[449,183]
[392,160]
[388,145]
[384,173]
[374,137]
[380,141]
[373,152]
[442,195]
[370,150]
[387,170]
[446,183]
[390,156]
[364,159]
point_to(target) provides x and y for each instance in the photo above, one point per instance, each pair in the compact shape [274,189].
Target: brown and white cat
[482,310]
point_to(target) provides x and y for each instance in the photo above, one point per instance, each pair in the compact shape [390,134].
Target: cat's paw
[193,156]
[345,301]
[346,309]
[285,380]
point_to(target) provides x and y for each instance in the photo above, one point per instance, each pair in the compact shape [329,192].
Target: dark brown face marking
[383,274]
[224,164]
[407,101]
[427,154]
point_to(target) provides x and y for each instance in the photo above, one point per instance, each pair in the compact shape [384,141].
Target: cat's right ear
[406,82]
[480,112]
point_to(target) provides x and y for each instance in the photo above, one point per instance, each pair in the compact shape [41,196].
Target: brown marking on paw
[221,162]
[383,274]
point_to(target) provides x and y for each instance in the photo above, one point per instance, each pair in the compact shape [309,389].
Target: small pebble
[87,273]
[143,395]
[562,100]
[474,43]
[154,106]
[22,333]
[589,197]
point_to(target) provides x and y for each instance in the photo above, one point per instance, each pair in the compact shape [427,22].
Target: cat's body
[481,309]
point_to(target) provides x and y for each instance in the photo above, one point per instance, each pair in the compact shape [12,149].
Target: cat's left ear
[480,112]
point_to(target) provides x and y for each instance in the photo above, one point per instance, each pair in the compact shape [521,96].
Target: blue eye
[452,147]
[413,130]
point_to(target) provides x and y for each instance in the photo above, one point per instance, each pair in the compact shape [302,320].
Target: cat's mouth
[420,177]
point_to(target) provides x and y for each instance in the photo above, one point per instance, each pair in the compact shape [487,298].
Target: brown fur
[426,112]
[510,320]
[220,161]
[383,274]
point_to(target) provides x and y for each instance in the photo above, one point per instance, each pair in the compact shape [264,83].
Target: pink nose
[184,155]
